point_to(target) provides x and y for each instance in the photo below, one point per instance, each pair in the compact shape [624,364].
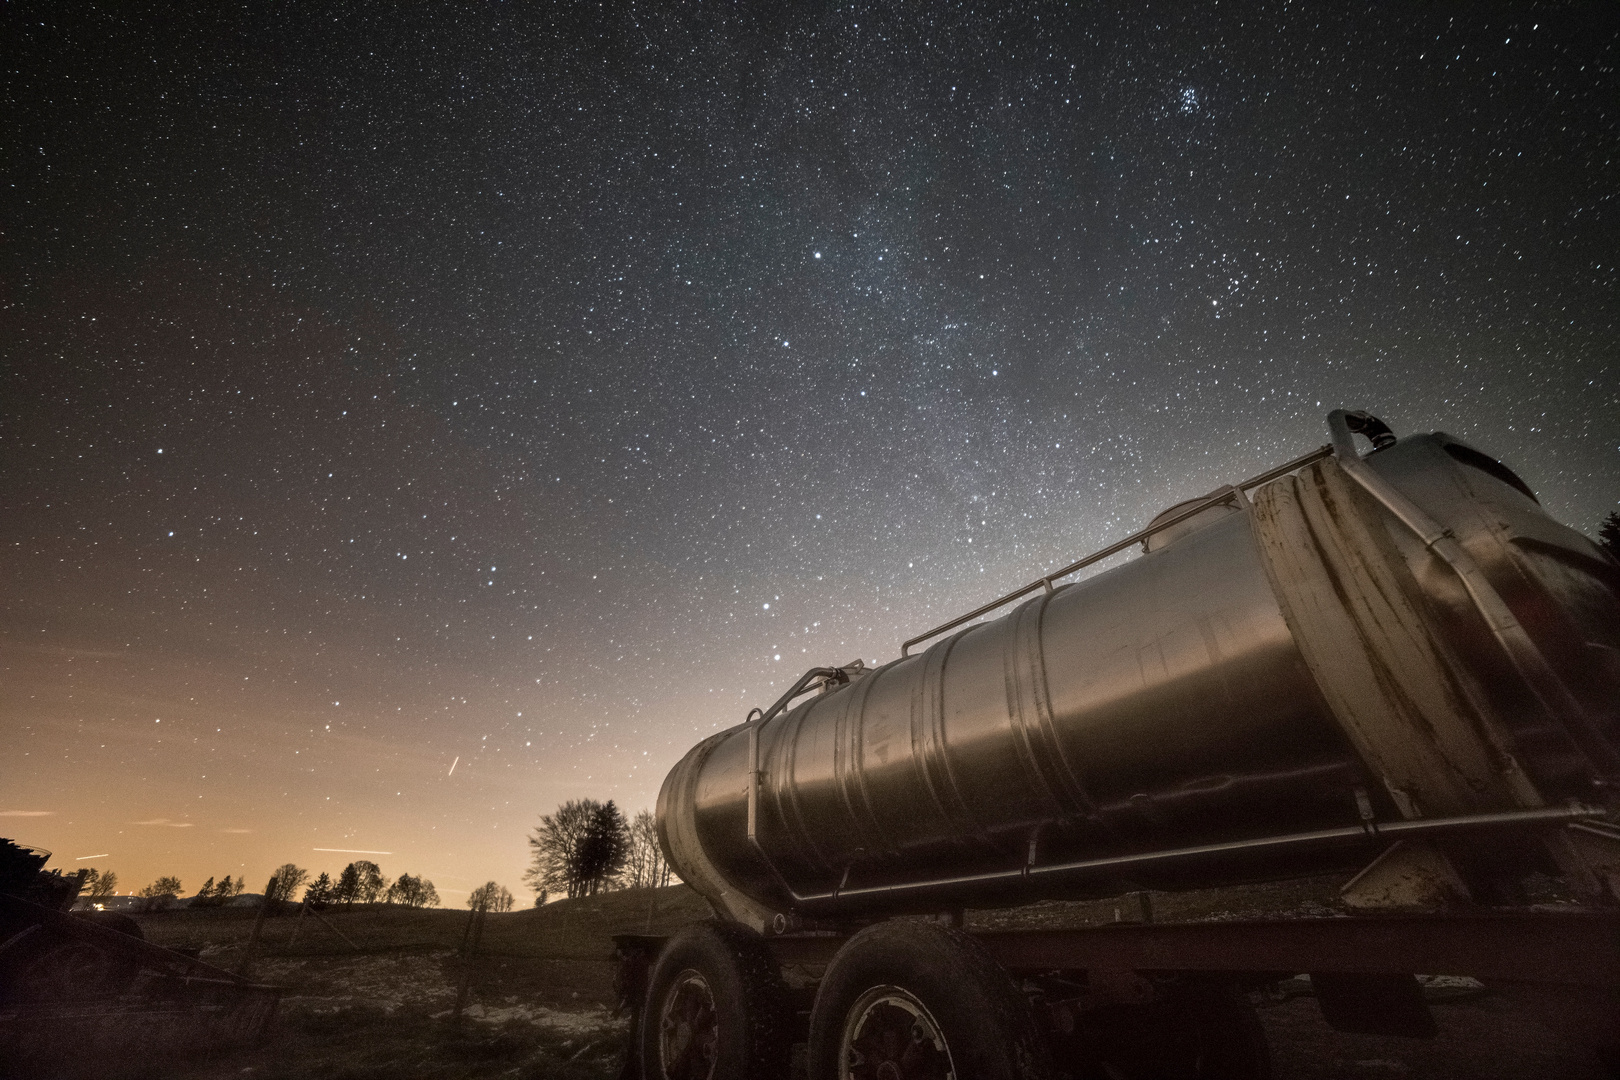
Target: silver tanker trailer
[1391,666]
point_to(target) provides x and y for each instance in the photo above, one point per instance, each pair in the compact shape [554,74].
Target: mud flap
[1372,1004]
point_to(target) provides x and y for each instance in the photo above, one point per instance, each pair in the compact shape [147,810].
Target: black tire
[716,1008]
[918,1000]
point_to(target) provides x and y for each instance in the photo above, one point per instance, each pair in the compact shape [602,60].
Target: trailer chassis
[1363,968]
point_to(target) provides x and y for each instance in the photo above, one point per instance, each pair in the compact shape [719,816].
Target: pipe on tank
[1352,835]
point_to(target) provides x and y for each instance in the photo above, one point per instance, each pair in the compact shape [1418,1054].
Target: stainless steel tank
[1283,666]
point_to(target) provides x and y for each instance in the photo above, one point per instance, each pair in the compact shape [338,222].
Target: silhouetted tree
[603,852]
[413,892]
[100,884]
[362,881]
[373,883]
[579,849]
[553,846]
[644,865]
[348,885]
[490,897]
[285,882]
[219,894]
[160,894]
[319,891]
[1609,534]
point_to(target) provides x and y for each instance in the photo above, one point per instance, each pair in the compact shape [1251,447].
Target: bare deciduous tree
[100,884]
[580,849]
[490,897]
[554,844]
[644,865]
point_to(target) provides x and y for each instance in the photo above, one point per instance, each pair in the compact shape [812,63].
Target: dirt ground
[370,991]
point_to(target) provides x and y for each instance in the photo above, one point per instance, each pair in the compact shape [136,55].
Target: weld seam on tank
[789,741]
[931,751]
[852,779]
[1066,791]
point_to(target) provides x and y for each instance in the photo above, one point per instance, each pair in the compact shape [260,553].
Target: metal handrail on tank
[1193,508]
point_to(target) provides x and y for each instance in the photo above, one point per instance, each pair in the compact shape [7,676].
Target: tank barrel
[1342,650]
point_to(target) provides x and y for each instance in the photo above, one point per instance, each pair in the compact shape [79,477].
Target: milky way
[395,388]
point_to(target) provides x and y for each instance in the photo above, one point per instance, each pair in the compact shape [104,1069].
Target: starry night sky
[532,390]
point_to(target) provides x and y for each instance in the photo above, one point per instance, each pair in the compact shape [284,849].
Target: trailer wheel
[716,1008]
[918,1001]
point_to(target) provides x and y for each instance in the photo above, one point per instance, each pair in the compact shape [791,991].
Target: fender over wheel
[716,1008]
[919,1001]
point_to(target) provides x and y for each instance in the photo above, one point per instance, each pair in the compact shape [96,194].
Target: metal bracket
[757,719]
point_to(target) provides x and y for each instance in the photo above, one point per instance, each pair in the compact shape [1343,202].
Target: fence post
[298,924]
[475,928]
[246,966]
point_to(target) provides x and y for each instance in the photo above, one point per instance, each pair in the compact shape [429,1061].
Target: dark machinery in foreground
[83,994]
[1393,666]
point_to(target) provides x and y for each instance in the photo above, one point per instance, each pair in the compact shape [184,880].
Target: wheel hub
[688,1029]
[890,1035]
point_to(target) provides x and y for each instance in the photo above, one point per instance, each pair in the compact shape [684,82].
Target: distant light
[993,371]
[778,656]
[160,449]
[818,254]
[767,607]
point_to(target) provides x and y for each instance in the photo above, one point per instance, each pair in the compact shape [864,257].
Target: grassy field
[369,992]
[370,989]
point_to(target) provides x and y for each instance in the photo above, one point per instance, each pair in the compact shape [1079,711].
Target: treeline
[587,847]
[361,882]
